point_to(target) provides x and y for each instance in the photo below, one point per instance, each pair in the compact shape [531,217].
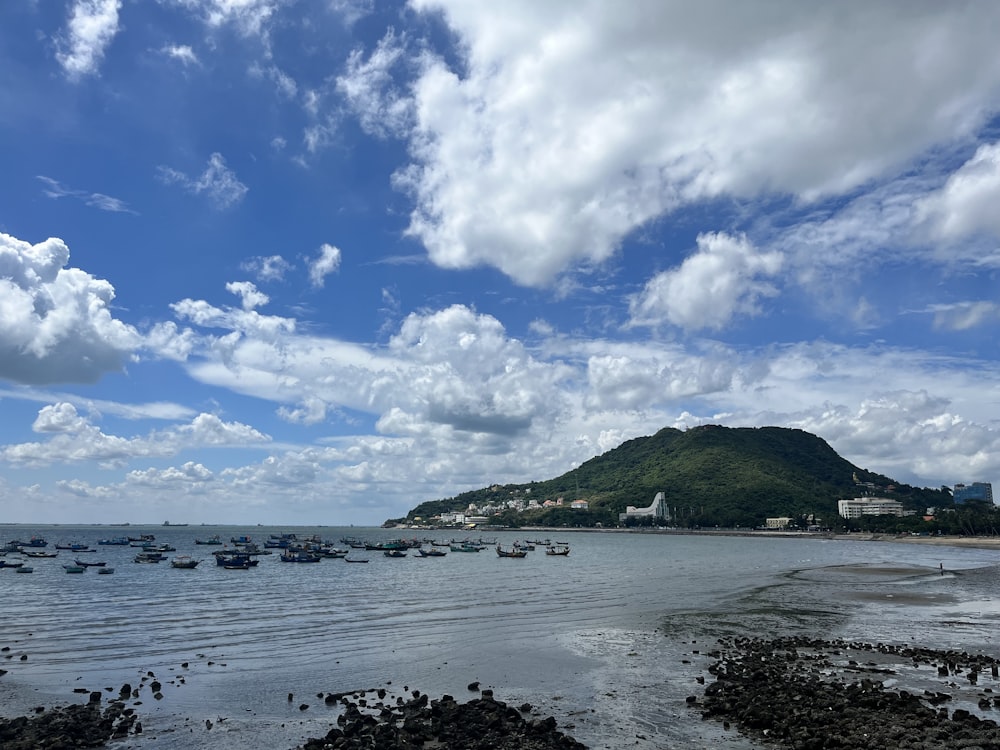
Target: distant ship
[167,523]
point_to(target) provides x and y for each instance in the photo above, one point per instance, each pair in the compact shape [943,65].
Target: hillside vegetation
[711,475]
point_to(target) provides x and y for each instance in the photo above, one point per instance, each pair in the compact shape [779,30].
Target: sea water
[609,640]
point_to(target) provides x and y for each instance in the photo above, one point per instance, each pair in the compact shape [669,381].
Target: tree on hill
[712,475]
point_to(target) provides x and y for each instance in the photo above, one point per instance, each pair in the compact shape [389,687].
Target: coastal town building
[869,506]
[657,509]
[981,491]
[781,522]
[579,505]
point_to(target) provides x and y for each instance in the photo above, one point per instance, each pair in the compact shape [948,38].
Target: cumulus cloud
[327,262]
[55,322]
[967,203]
[92,26]
[74,438]
[553,138]
[218,182]
[725,277]
[249,294]
[186,475]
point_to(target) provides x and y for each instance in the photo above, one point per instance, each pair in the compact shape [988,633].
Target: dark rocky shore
[368,721]
[796,692]
[89,724]
[814,694]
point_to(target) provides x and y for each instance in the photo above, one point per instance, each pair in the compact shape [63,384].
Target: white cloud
[55,322]
[323,265]
[962,316]
[61,417]
[381,107]
[91,27]
[284,84]
[352,11]
[267,268]
[53,189]
[564,127]
[182,53]
[249,294]
[218,182]
[249,17]
[75,439]
[189,475]
[968,203]
[725,277]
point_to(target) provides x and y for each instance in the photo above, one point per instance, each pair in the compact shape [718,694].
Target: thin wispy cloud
[54,189]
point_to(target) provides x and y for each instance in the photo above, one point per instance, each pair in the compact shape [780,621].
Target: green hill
[711,475]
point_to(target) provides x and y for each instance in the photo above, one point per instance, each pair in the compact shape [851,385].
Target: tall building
[869,506]
[981,491]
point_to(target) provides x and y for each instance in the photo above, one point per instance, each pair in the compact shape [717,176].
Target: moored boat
[559,551]
[394,553]
[215,539]
[85,564]
[74,568]
[185,562]
[432,552]
[512,552]
[149,557]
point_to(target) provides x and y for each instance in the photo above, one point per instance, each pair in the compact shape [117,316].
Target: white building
[869,506]
[656,509]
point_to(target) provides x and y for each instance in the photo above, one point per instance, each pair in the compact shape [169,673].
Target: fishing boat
[106,571]
[147,556]
[234,564]
[75,547]
[240,559]
[24,569]
[559,551]
[394,553]
[355,560]
[512,552]
[216,539]
[38,553]
[74,568]
[432,552]
[299,556]
[6,564]
[85,564]
[465,547]
[186,562]
[117,541]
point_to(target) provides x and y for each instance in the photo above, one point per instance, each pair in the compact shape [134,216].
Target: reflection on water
[609,640]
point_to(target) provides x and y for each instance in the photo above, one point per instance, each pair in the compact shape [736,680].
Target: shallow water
[608,640]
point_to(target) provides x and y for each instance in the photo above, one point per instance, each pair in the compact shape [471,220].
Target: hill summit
[711,475]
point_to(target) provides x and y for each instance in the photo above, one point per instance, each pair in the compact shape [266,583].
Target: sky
[290,262]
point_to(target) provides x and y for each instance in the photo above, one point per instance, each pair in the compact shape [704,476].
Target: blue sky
[317,262]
